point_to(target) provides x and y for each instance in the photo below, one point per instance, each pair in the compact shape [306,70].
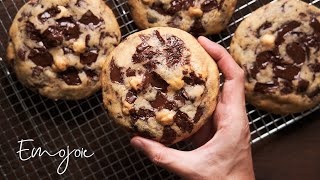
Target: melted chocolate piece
[92,74]
[70,76]
[67,50]
[174,49]
[287,87]
[198,114]
[141,53]
[115,73]
[315,24]
[159,37]
[131,96]
[89,56]
[168,135]
[152,19]
[197,28]
[22,54]
[69,28]
[302,86]
[41,57]
[315,67]
[32,32]
[183,122]
[130,72]
[150,65]
[162,102]
[208,5]
[264,26]
[141,114]
[288,72]
[52,37]
[181,96]
[285,29]
[49,13]
[265,87]
[193,79]
[296,52]
[89,18]
[156,81]
[175,6]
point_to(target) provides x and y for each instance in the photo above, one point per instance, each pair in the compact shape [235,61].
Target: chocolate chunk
[115,73]
[315,25]
[173,51]
[314,93]
[162,102]
[156,81]
[168,135]
[262,60]
[92,74]
[193,79]
[32,32]
[88,37]
[150,65]
[52,37]
[69,28]
[285,29]
[183,122]
[141,53]
[265,87]
[89,18]
[130,72]
[288,72]
[208,5]
[152,19]
[141,114]
[296,52]
[287,87]
[131,96]
[36,71]
[181,95]
[197,28]
[89,57]
[198,114]
[159,37]
[315,67]
[70,76]
[22,54]
[302,86]
[264,26]
[49,13]
[41,57]
[175,6]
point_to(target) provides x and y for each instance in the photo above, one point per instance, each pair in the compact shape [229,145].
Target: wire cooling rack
[54,125]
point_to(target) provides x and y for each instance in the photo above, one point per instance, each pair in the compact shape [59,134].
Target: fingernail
[137,144]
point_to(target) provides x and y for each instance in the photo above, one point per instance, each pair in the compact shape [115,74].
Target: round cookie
[57,48]
[278,46]
[199,17]
[161,84]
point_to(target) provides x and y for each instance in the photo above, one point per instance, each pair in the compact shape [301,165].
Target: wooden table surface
[292,153]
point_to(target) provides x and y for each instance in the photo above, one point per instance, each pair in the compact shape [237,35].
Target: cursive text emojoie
[26,154]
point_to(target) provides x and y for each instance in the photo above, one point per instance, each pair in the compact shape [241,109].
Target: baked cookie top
[199,17]
[161,84]
[57,48]
[278,46]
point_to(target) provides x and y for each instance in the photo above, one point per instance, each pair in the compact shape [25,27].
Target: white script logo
[63,153]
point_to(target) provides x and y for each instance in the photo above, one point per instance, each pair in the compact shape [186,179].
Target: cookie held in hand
[57,48]
[161,84]
[278,46]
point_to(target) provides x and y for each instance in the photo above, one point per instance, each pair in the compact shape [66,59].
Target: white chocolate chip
[79,46]
[136,83]
[175,83]
[268,40]
[195,11]
[194,91]
[60,64]
[126,107]
[165,117]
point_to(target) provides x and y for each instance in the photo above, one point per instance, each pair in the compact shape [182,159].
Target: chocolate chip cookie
[161,84]
[199,17]
[278,46]
[57,48]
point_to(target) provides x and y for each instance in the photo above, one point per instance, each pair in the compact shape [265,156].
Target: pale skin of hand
[224,150]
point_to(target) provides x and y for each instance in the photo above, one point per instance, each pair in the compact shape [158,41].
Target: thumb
[168,158]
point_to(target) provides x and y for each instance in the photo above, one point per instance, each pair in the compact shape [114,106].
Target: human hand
[224,150]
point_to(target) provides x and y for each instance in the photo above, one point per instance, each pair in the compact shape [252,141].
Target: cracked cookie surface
[57,48]
[278,46]
[161,84]
[199,17]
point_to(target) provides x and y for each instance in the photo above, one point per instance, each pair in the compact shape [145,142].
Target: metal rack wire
[55,124]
